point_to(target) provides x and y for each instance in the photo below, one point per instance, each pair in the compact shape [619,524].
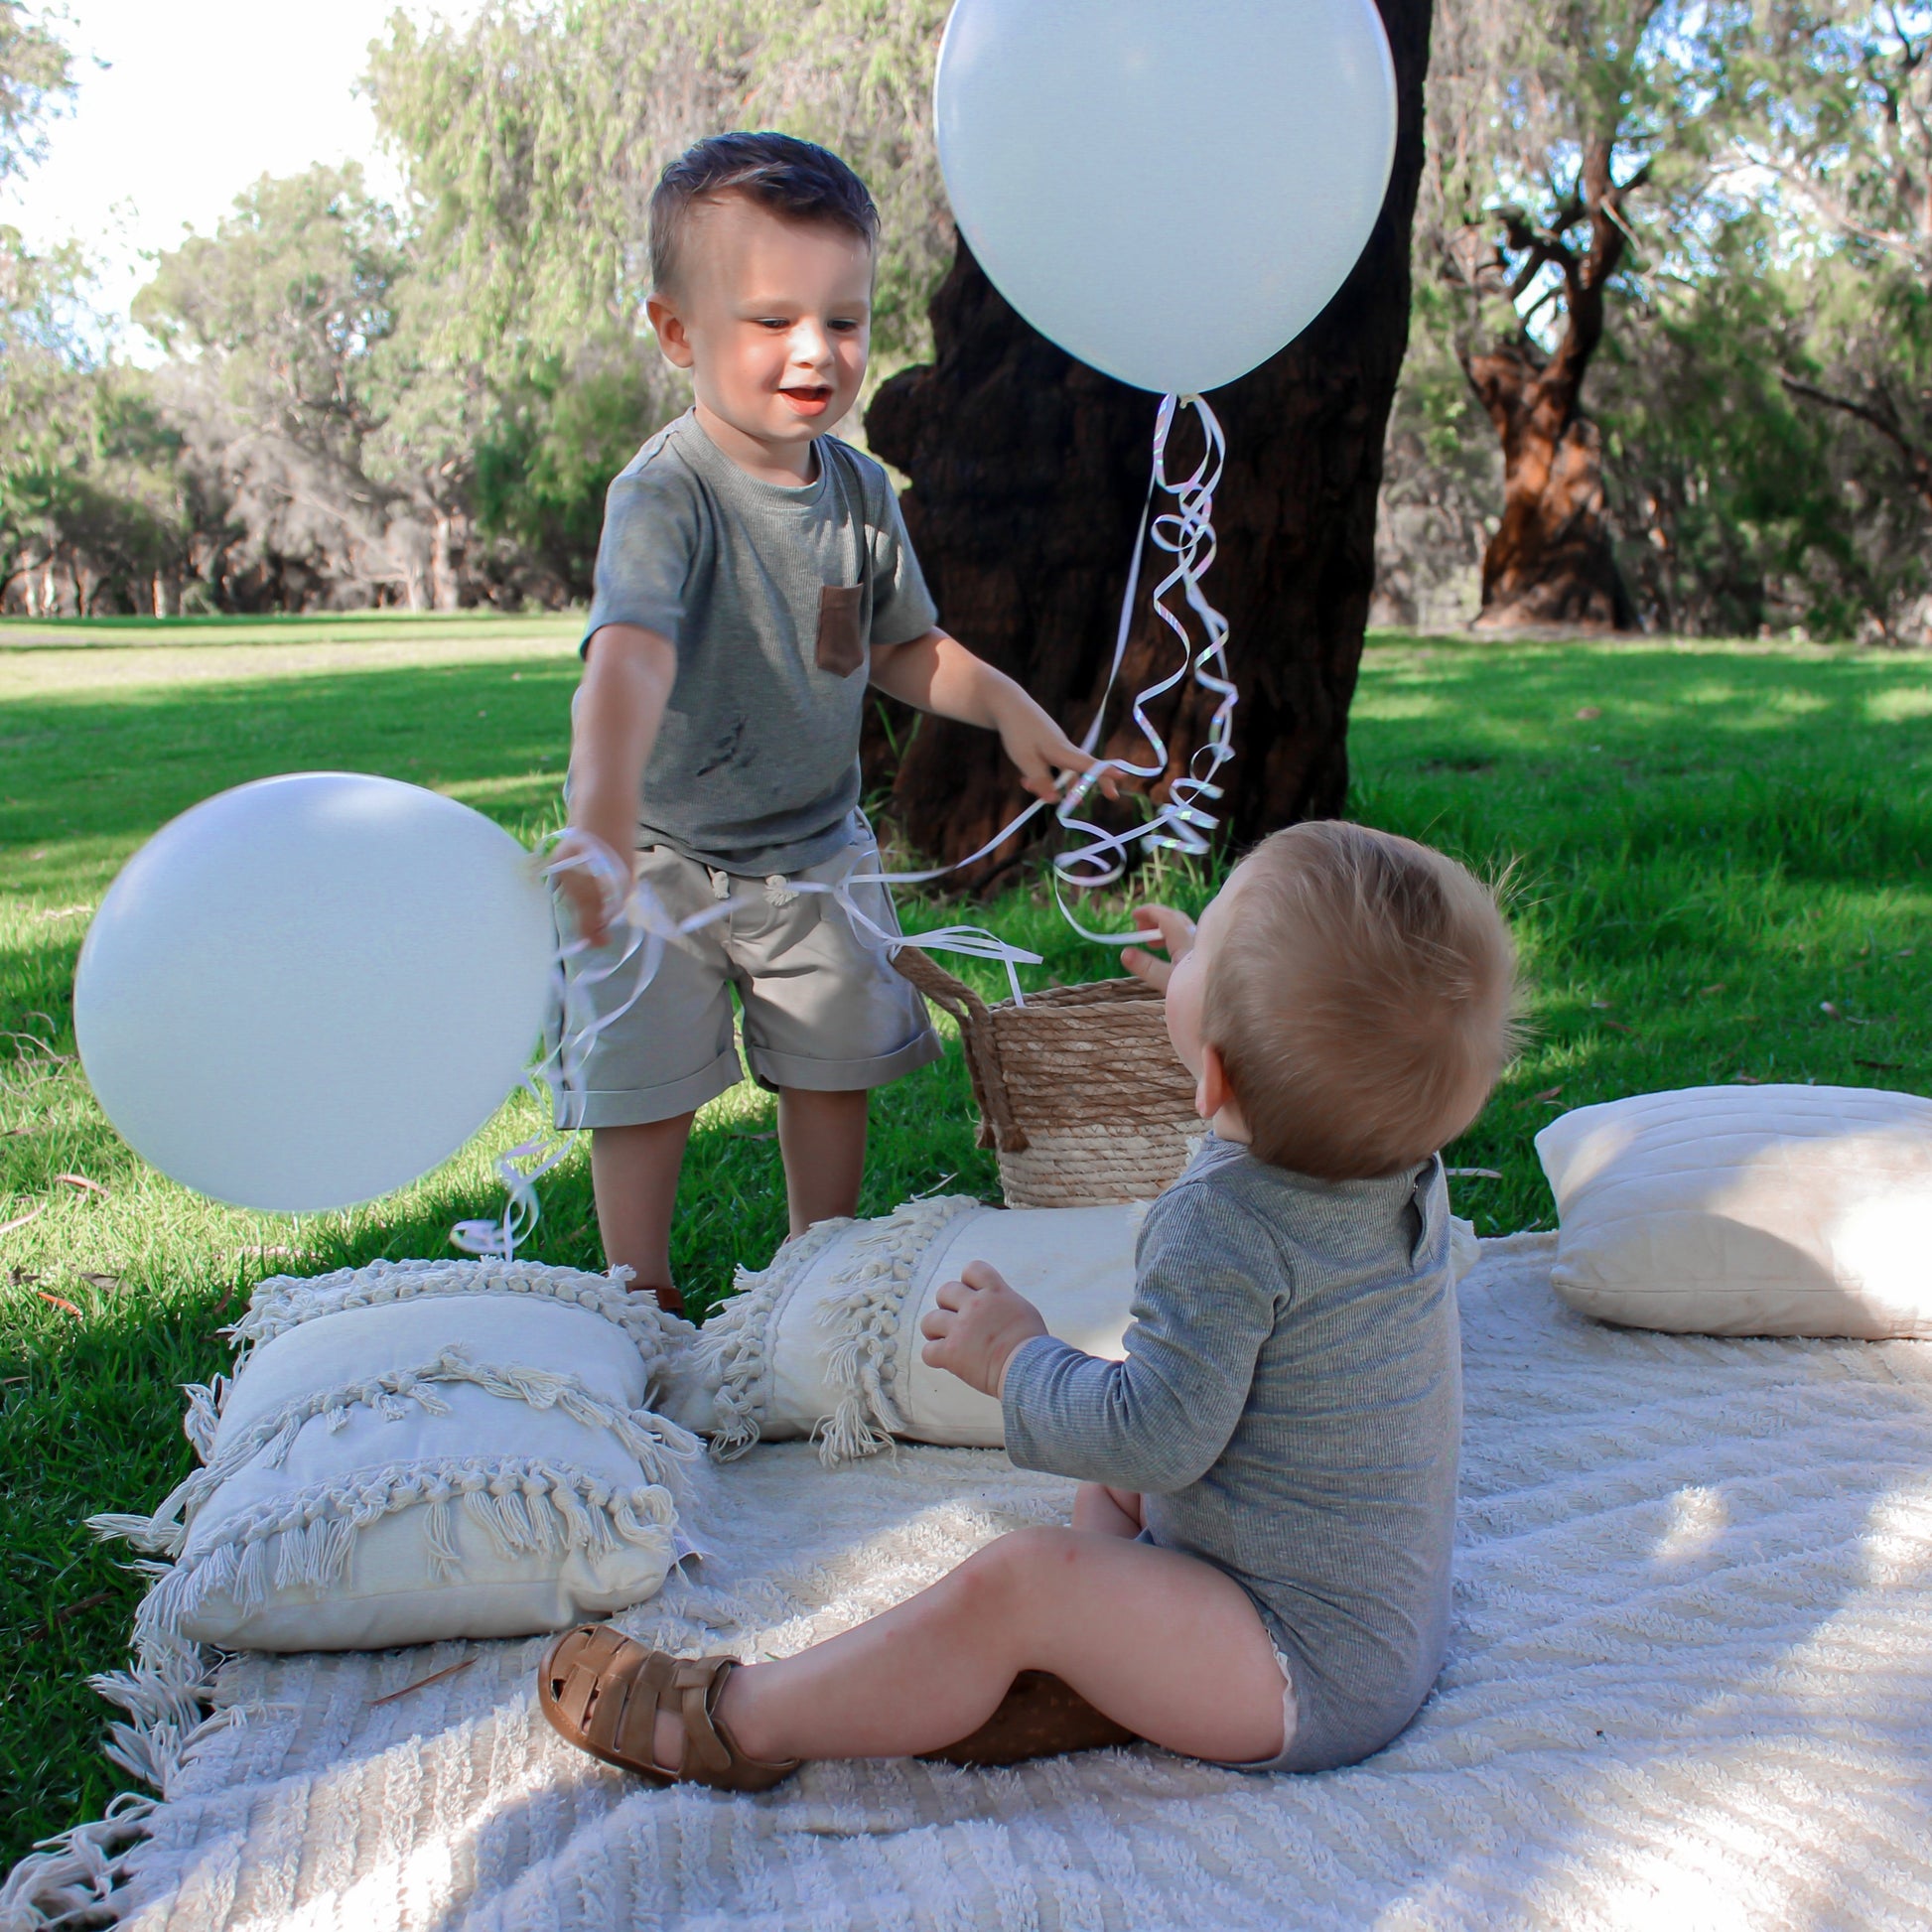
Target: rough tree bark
[1029,471]
[1551,560]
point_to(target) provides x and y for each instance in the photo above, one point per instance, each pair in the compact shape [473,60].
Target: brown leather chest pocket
[841,649]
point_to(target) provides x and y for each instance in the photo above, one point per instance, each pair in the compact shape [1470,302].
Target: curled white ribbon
[1183,823]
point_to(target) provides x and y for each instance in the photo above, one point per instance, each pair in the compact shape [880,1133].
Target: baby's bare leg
[1105,1511]
[1161,1642]
[823,1138]
[634,1171]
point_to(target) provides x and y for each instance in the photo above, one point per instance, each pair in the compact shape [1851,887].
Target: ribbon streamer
[1183,823]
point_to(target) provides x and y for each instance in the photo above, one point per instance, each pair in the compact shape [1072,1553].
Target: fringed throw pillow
[419,1451]
[825,1343]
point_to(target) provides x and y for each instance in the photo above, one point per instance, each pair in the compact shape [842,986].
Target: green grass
[1737,839]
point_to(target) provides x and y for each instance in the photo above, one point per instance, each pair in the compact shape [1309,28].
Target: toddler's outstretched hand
[977,1325]
[1040,747]
[592,880]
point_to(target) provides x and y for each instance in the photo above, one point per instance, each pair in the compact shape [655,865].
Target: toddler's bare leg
[635,1171]
[1161,1642]
[822,1136]
[1107,1512]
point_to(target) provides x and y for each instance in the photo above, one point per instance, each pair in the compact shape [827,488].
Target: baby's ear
[1211,1091]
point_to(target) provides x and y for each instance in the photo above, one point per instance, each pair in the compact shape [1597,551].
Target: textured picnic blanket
[1690,1686]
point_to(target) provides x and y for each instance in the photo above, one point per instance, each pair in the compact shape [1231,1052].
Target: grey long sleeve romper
[1290,1409]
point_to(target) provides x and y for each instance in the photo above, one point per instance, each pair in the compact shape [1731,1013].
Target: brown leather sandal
[601,1691]
[1039,1716]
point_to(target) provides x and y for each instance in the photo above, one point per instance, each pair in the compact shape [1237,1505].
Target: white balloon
[313,989]
[1172,190]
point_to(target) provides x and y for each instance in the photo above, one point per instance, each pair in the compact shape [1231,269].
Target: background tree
[1830,108]
[274,324]
[91,508]
[92,505]
[1558,138]
[1668,356]
[532,139]
[1027,475]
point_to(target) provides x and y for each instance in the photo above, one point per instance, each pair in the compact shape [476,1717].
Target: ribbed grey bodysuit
[1290,1409]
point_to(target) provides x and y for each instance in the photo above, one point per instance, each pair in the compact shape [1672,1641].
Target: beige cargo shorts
[823,1007]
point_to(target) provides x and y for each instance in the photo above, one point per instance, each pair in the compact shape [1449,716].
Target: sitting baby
[1257,1572]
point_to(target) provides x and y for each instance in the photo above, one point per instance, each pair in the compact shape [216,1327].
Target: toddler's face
[772,319]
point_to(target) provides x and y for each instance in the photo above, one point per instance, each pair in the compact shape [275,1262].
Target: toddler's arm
[627,679]
[937,673]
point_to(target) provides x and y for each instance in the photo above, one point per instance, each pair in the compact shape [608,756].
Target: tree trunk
[1551,560]
[1029,471]
[445,581]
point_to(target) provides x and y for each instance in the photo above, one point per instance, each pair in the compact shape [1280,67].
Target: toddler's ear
[672,340]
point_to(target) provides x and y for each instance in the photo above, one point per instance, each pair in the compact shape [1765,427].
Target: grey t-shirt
[775,598]
[1290,1409]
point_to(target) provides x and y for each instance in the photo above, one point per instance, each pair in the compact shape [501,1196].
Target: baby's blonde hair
[1361,997]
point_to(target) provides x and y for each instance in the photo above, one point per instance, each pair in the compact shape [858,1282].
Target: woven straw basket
[1079,1090]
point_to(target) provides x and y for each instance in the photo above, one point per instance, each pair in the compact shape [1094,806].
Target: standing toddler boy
[754,578]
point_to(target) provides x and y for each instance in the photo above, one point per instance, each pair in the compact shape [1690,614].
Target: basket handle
[953,996]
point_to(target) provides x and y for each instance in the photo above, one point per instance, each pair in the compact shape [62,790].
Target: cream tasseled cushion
[1777,1210]
[419,1451]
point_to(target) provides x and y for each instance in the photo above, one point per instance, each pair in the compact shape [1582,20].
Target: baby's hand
[1171,932]
[977,1325]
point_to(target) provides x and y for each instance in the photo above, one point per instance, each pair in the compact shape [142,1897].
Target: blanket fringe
[859,1358]
[75,1877]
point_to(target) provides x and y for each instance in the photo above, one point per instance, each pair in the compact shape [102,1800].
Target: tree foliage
[532,137]
[91,503]
[35,81]
[1755,250]
[1673,310]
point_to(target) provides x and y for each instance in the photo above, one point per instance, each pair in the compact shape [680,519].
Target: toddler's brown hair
[1361,997]
[797,180]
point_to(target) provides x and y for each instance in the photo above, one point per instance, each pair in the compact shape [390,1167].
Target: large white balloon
[311,990]
[1171,188]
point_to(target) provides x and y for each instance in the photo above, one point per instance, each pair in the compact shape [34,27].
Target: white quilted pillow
[1748,1211]
[418,1450]
[826,1341]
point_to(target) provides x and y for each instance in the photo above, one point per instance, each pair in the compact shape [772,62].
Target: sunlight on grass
[1898,703]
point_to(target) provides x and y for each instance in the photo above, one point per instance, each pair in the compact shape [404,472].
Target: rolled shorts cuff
[640,1108]
[775,1070]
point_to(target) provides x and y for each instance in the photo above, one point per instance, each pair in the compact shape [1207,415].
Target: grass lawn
[1721,873]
